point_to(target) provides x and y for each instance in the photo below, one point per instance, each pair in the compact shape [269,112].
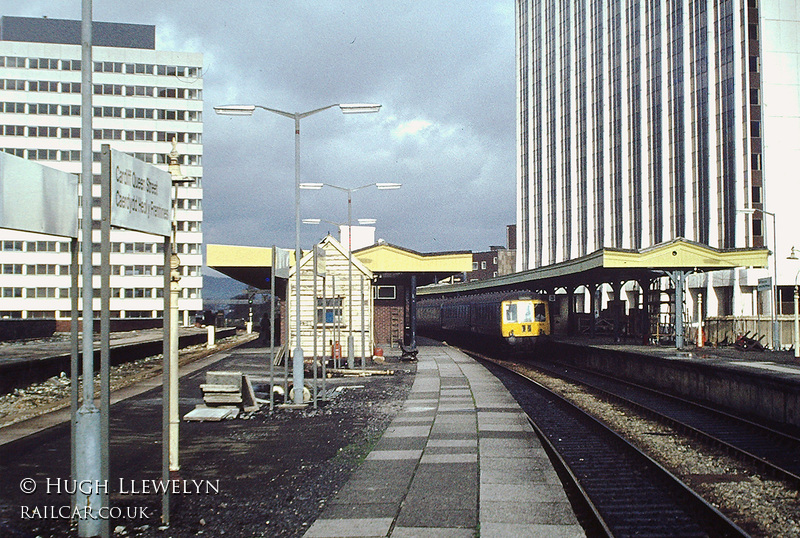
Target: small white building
[342,302]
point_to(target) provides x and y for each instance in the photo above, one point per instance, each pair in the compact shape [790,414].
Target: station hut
[336,292]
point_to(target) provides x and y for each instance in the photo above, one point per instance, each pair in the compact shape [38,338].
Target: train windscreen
[510,314]
[518,312]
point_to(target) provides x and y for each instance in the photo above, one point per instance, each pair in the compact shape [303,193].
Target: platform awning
[248,265]
[617,265]
[253,265]
[391,260]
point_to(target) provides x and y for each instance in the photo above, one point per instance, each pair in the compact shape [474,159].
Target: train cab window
[526,314]
[541,312]
[510,313]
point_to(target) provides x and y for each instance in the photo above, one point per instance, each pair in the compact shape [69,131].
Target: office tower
[643,121]
[143,100]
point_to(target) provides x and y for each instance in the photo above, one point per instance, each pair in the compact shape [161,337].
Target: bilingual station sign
[140,195]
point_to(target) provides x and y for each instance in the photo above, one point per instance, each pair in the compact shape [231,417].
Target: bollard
[211,335]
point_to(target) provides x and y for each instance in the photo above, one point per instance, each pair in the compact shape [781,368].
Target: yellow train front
[524,321]
[512,319]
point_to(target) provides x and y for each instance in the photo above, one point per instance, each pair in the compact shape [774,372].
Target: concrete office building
[143,100]
[643,121]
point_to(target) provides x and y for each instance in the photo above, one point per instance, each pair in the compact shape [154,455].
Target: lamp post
[776,335]
[247,110]
[351,360]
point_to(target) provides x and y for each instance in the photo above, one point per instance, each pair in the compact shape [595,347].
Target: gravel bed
[52,394]
[277,469]
[760,505]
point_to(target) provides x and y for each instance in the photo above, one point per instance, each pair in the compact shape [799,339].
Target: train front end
[524,321]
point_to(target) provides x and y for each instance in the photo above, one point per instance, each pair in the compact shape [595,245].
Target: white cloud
[410,128]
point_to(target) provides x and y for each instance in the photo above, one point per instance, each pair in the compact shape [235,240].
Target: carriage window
[511,313]
[541,313]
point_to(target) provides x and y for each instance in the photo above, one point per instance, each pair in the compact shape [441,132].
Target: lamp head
[235,110]
[388,186]
[359,108]
[311,186]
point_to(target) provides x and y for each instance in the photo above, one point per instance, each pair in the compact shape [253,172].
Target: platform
[458,459]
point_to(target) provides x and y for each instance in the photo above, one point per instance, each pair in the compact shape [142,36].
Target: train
[518,321]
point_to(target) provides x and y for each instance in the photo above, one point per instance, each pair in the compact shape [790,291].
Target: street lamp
[776,335]
[247,110]
[382,186]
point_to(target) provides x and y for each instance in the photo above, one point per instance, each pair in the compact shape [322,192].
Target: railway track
[773,452]
[624,492]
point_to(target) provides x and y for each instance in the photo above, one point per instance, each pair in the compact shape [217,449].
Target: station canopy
[617,265]
[253,265]
[248,265]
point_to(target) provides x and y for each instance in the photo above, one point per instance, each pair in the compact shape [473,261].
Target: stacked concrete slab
[225,395]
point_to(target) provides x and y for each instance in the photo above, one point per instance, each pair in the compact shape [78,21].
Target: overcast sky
[443,72]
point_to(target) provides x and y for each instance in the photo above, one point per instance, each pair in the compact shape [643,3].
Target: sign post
[281,266]
[319,271]
[140,199]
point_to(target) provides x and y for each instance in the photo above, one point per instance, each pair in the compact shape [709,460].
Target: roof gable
[329,243]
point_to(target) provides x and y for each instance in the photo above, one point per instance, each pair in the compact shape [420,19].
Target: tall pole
[796,320]
[351,360]
[776,333]
[174,291]
[298,361]
[88,424]
[272,334]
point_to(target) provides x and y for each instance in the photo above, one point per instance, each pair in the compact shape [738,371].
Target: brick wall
[389,324]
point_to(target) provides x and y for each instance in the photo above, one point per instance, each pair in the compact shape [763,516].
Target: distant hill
[221,288]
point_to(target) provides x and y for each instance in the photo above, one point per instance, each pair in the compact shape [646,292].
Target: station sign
[37,198]
[283,262]
[140,195]
[319,267]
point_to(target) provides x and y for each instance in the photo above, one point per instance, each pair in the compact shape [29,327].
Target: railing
[725,330]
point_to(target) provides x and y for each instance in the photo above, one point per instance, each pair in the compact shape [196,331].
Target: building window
[329,311]
[757,230]
[756,195]
[474,266]
[385,292]
[483,265]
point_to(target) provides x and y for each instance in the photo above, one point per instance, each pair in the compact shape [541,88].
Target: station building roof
[616,265]
[253,265]
[392,260]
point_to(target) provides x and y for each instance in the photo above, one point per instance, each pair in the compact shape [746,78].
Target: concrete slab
[407,431]
[557,513]
[356,527]
[431,532]
[394,455]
